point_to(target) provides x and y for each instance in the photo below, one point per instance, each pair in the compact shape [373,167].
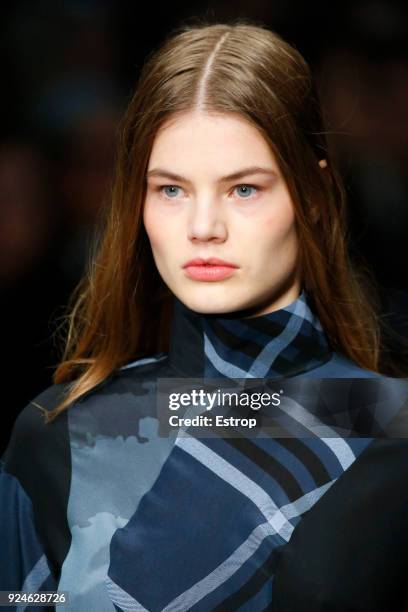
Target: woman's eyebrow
[230,177]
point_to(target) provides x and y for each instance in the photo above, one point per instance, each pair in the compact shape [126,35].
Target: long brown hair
[121,309]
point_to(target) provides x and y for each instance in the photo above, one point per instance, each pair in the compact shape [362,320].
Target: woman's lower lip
[209,273]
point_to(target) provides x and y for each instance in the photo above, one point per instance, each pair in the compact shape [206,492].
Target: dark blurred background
[68,71]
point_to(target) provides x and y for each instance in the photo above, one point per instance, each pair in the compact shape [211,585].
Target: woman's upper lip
[214,261]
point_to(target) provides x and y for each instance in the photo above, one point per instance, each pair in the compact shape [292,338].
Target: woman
[222,156]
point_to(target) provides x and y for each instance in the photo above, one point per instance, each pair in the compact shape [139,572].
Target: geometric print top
[281,343]
[101,506]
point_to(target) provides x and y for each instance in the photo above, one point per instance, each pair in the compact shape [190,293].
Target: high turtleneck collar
[278,344]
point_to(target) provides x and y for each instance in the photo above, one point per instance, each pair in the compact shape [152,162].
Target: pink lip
[213,261]
[211,269]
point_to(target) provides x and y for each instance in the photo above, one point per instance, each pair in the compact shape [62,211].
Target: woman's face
[246,220]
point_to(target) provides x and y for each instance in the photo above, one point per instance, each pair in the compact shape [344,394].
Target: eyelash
[160,188]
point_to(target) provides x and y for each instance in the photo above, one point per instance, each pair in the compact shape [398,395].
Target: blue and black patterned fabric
[102,506]
[284,342]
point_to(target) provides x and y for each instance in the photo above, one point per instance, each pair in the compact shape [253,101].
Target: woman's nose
[207,220]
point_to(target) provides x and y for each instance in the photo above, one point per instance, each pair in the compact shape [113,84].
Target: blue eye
[169,187]
[172,193]
[246,188]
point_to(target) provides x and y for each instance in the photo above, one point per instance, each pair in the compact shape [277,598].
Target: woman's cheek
[153,226]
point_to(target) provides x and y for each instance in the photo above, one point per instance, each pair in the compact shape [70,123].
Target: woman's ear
[314,214]
[323,164]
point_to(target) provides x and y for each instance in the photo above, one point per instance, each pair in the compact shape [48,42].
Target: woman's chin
[216,300]
[209,301]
